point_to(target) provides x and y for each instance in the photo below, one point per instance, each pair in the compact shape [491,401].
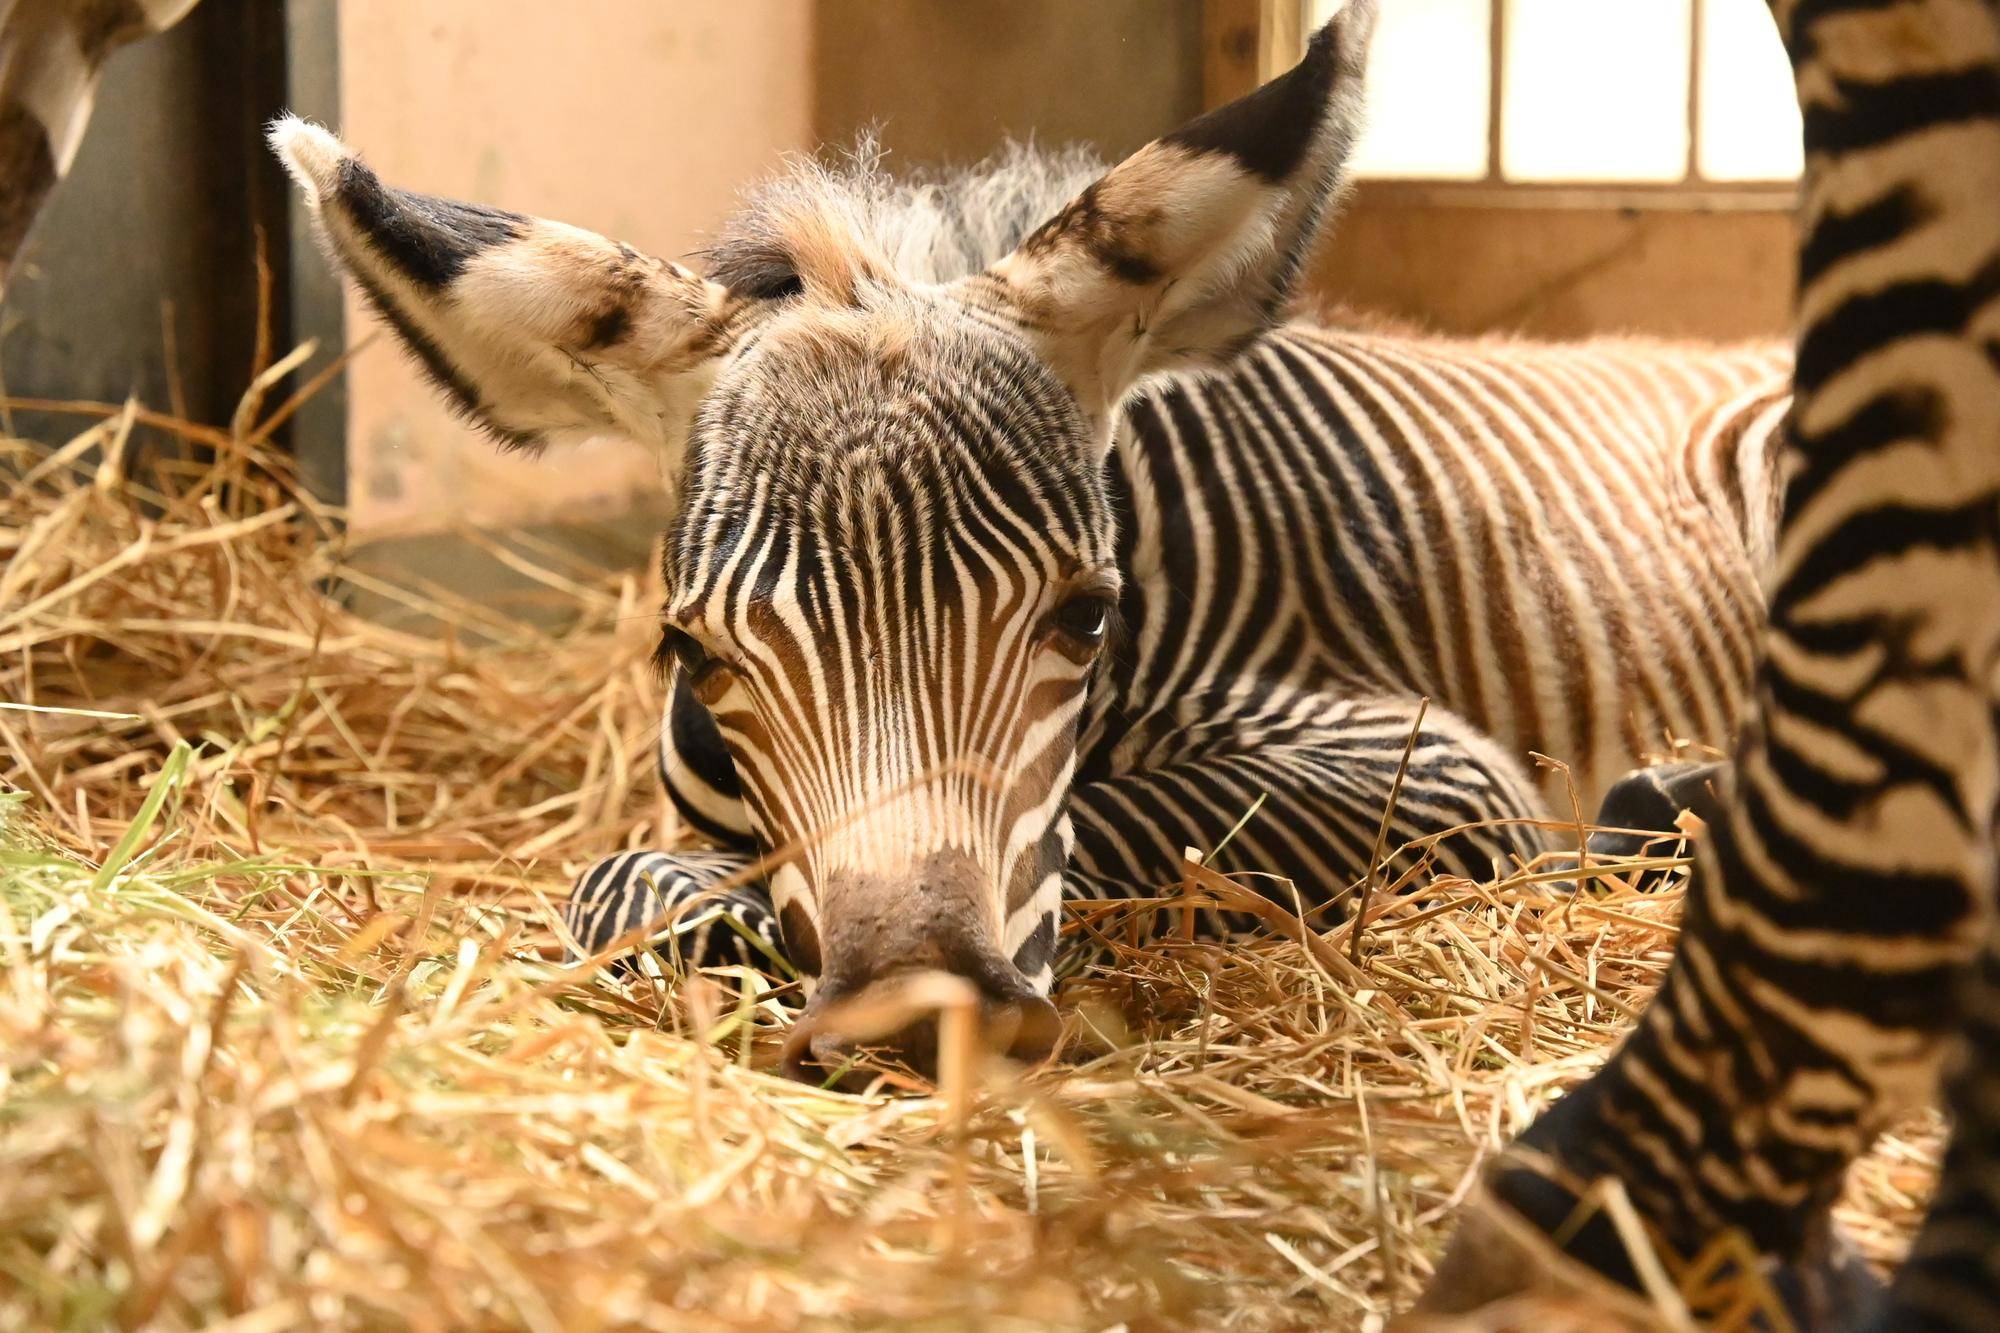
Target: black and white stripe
[1849,885]
[1559,546]
[673,911]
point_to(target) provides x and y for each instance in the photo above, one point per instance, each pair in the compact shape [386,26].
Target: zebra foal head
[885,411]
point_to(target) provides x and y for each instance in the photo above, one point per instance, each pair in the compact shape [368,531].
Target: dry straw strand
[286,1036]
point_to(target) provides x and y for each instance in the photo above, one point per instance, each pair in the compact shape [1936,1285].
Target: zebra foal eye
[685,651]
[1083,619]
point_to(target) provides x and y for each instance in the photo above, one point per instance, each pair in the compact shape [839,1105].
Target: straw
[284,1044]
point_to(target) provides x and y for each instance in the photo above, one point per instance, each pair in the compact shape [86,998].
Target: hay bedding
[285,1039]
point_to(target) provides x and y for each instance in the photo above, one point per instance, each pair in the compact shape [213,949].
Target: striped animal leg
[51,55]
[1952,1279]
[1850,880]
[675,910]
[1314,775]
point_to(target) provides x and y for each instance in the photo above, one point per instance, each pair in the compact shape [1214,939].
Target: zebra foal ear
[538,332]
[1184,252]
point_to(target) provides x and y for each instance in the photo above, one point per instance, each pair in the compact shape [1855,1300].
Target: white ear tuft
[312,155]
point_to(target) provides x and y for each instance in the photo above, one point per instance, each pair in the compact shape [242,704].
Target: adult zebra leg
[1318,772]
[1952,1279]
[1851,877]
[51,54]
[680,910]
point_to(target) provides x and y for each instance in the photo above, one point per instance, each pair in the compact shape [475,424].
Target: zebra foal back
[1559,543]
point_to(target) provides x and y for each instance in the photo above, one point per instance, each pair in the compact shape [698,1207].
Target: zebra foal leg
[1309,780]
[1641,814]
[710,906]
[675,911]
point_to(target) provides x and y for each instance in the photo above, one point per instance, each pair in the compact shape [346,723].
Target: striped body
[1558,546]
[1547,540]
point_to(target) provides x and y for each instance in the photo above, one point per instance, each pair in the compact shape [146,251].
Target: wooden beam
[1248,42]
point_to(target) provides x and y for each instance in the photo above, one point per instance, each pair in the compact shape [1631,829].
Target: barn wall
[1563,272]
[947,83]
[631,117]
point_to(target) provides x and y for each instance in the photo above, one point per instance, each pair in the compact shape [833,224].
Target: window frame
[1249,42]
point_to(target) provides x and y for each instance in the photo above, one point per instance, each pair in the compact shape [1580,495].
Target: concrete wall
[632,117]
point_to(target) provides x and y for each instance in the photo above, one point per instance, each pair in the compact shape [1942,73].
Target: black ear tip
[1271,130]
[355,175]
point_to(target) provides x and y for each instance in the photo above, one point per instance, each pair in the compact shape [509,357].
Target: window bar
[1691,171]
[1496,55]
[1693,192]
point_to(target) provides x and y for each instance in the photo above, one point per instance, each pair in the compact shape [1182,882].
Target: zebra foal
[1022,542]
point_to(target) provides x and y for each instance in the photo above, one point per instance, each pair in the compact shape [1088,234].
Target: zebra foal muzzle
[881,934]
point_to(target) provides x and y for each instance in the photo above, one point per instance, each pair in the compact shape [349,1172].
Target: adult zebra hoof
[1506,1265]
[1834,1289]
[1641,814]
[1500,1261]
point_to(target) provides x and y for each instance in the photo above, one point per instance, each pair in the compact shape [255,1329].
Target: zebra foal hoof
[1641,815]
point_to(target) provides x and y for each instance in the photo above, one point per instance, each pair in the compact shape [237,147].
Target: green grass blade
[142,823]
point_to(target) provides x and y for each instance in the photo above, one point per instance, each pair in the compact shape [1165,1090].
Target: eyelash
[685,651]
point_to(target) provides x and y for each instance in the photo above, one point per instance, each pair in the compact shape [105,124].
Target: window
[1651,98]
